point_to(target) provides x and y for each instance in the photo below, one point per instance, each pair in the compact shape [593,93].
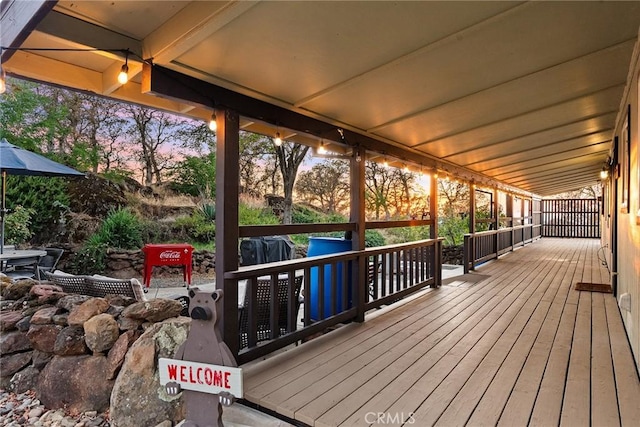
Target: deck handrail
[486,245]
[404,269]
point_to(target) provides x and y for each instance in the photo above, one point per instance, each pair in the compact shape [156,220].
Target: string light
[213,125]
[321,148]
[277,141]
[123,76]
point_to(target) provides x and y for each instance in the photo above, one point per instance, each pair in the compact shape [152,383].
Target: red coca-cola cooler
[167,254]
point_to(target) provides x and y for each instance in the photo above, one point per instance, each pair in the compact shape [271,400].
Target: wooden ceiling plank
[190,26]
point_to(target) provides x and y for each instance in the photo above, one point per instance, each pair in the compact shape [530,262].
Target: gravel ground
[25,410]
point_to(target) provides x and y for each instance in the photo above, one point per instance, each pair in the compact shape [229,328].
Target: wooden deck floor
[511,344]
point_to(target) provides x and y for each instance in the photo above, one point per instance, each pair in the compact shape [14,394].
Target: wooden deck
[510,344]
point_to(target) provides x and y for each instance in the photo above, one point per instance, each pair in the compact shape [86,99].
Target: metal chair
[49,262]
[263,309]
[22,268]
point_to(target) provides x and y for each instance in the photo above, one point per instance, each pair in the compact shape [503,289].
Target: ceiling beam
[86,34]
[19,18]
[170,84]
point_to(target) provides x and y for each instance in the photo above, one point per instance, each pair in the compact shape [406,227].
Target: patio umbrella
[15,160]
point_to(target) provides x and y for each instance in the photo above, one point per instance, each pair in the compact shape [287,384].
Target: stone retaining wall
[453,255]
[89,354]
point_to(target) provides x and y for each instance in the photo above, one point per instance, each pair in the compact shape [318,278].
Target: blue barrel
[326,246]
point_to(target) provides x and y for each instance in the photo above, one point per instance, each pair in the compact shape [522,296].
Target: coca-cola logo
[170,255]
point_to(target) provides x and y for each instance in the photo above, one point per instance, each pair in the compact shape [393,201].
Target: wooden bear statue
[204,345]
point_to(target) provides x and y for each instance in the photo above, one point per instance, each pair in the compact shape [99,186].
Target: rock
[156,310]
[69,302]
[26,379]
[41,290]
[43,337]
[13,342]
[120,300]
[87,310]
[61,319]
[101,332]
[40,359]
[44,316]
[18,289]
[12,363]
[24,324]
[70,342]
[8,320]
[76,383]
[128,324]
[165,423]
[137,398]
[116,355]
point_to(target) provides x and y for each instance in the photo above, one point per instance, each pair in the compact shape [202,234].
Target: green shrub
[373,238]
[17,226]
[248,215]
[208,211]
[305,215]
[121,229]
[195,227]
[91,259]
[46,196]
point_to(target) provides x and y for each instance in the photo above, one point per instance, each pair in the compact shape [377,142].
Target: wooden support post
[472,219]
[495,213]
[227,232]
[433,205]
[357,216]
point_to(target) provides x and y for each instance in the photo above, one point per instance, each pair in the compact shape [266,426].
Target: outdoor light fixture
[123,76]
[277,141]
[604,173]
[212,123]
[321,148]
[406,169]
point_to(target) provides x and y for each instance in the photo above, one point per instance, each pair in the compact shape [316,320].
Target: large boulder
[101,332]
[137,398]
[155,310]
[78,383]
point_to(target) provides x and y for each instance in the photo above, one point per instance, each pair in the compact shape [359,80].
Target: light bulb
[604,174]
[321,149]
[277,140]
[123,76]
[212,123]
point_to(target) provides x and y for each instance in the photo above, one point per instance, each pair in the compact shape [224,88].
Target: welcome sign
[201,376]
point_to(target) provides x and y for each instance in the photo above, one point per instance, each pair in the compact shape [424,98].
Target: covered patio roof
[522,94]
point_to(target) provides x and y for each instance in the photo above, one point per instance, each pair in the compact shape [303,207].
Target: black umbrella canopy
[15,160]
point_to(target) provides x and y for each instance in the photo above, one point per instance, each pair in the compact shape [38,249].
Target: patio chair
[49,261]
[22,268]
[263,310]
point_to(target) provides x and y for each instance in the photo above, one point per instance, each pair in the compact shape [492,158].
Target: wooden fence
[573,218]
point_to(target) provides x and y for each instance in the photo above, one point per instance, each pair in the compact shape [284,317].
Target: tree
[453,209]
[152,130]
[289,157]
[325,185]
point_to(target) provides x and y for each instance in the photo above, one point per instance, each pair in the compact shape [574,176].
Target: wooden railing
[487,245]
[336,288]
